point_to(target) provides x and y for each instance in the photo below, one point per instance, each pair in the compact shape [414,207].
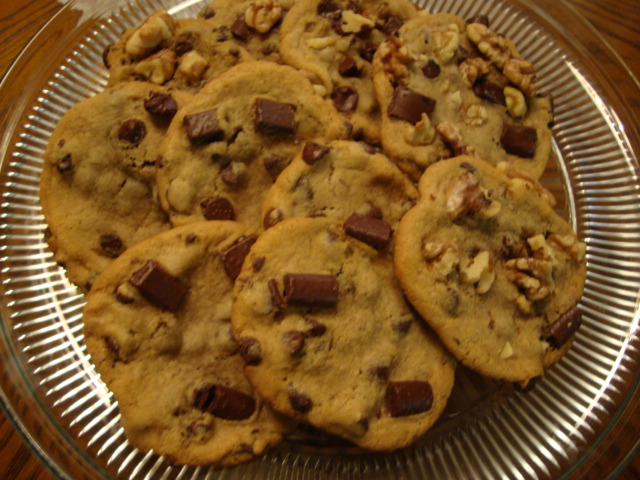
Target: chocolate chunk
[272,217]
[230,175]
[294,341]
[345,99]
[402,326]
[312,152]
[560,331]
[240,29]
[368,229]
[299,401]
[161,105]
[328,8]
[317,329]
[489,91]
[250,350]
[519,140]
[159,286]
[183,45]
[224,402]
[111,245]
[132,131]
[275,117]
[223,34]
[348,67]
[233,256]
[274,164]
[431,69]
[409,105]
[408,398]
[311,290]
[207,12]
[218,208]
[392,25]
[527,385]
[368,52]
[257,264]
[203,127]
[65,164]
[190,238]
[113,346]
[381,372]
[105,55]
[483,19]
[277,300]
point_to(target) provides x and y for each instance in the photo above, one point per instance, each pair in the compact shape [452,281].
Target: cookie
[489,264]
[334,40]
[97,188]
[224,150]
[157,326]
[447,87]
[328,339]
[339,179]
[181,53]
[252,24]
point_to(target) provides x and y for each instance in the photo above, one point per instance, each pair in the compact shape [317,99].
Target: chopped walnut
[320,90]
[522,74]
[516,103]
[507,351]
[456,99]
[570,243]
[480,272]
[523,305]
[539,245]
[155,30]
[452,137]
[520,180]
[159,68]
[394,58]
[539,268]
[321,42]
[422,133]
[353,22]
[475,115]
[474,68]
[433,250]
[262,15]
[467,198]
[193,65]
[443,256]
[446,43]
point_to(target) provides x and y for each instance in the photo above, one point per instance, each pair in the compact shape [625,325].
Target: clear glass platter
[50,390]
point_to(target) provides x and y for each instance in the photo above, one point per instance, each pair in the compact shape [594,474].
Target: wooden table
[616,20]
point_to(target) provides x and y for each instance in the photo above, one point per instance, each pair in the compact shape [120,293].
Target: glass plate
[51,392]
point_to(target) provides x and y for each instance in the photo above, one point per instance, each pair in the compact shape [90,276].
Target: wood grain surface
[617,21]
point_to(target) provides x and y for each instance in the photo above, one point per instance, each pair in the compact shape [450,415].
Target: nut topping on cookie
[566,325]
[159,68]
[409,105]
[519,140]
[370,230]
[132,131]
[203,127]
[159,286]
[408,398]
[467,198]
[312,152]
[262,15]
[161,105]
[311,290]
[224,402]
[275,117]
[515,101]
[233,256]
[155,30]
[218,208]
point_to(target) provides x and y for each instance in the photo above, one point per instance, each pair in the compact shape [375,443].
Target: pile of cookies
[309,211]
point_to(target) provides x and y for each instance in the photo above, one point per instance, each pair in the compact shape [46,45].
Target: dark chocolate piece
[274,164]
[202,127]
[402,326]
[159,286]
[113,346]
[183,45]
[381,372]
[294,341]
[299,401]
[368,229]
[250,350]
[312,152]
[240,29]
[431,69]
[368,52]
[233,256]
[230,175]
[408,398]
[111,245]
[311,290]
[345,99]
[483,19]
[224,402]
[348,67]
[218,208]
[257,264]
[161,105]
[392,25]
[560,331]
[409,105]
[132,130]
[277,300]
[490,91]
[275,117]
[527,385]
[519,140]
[65,164]
[317,329]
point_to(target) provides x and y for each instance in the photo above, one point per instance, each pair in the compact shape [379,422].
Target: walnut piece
[474,68]
[516,103]
[451,135]
[353,22]
[507,351]
[446,43]
[480,272]
[159,68]
[520,180]
[193,65]
[569,243]
[321,42]
[466,197]
[444,257]
[475,115]
[262,15]
[156,29]
[394,57]
[422,133]
[522,74]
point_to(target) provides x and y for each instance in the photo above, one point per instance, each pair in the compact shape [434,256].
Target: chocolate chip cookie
[336,180]
[334,40]
[327,337]
[181,53]
[224,150]
[98,181]
[492,268]
[449,87]
[157,326]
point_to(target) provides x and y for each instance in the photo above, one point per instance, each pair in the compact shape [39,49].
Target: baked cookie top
[334,40]
[225,148]
[253,24]
[157,325]
[328,339]
[449,87]
[183,53]
[339,179]
[489,264]
[97,188]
